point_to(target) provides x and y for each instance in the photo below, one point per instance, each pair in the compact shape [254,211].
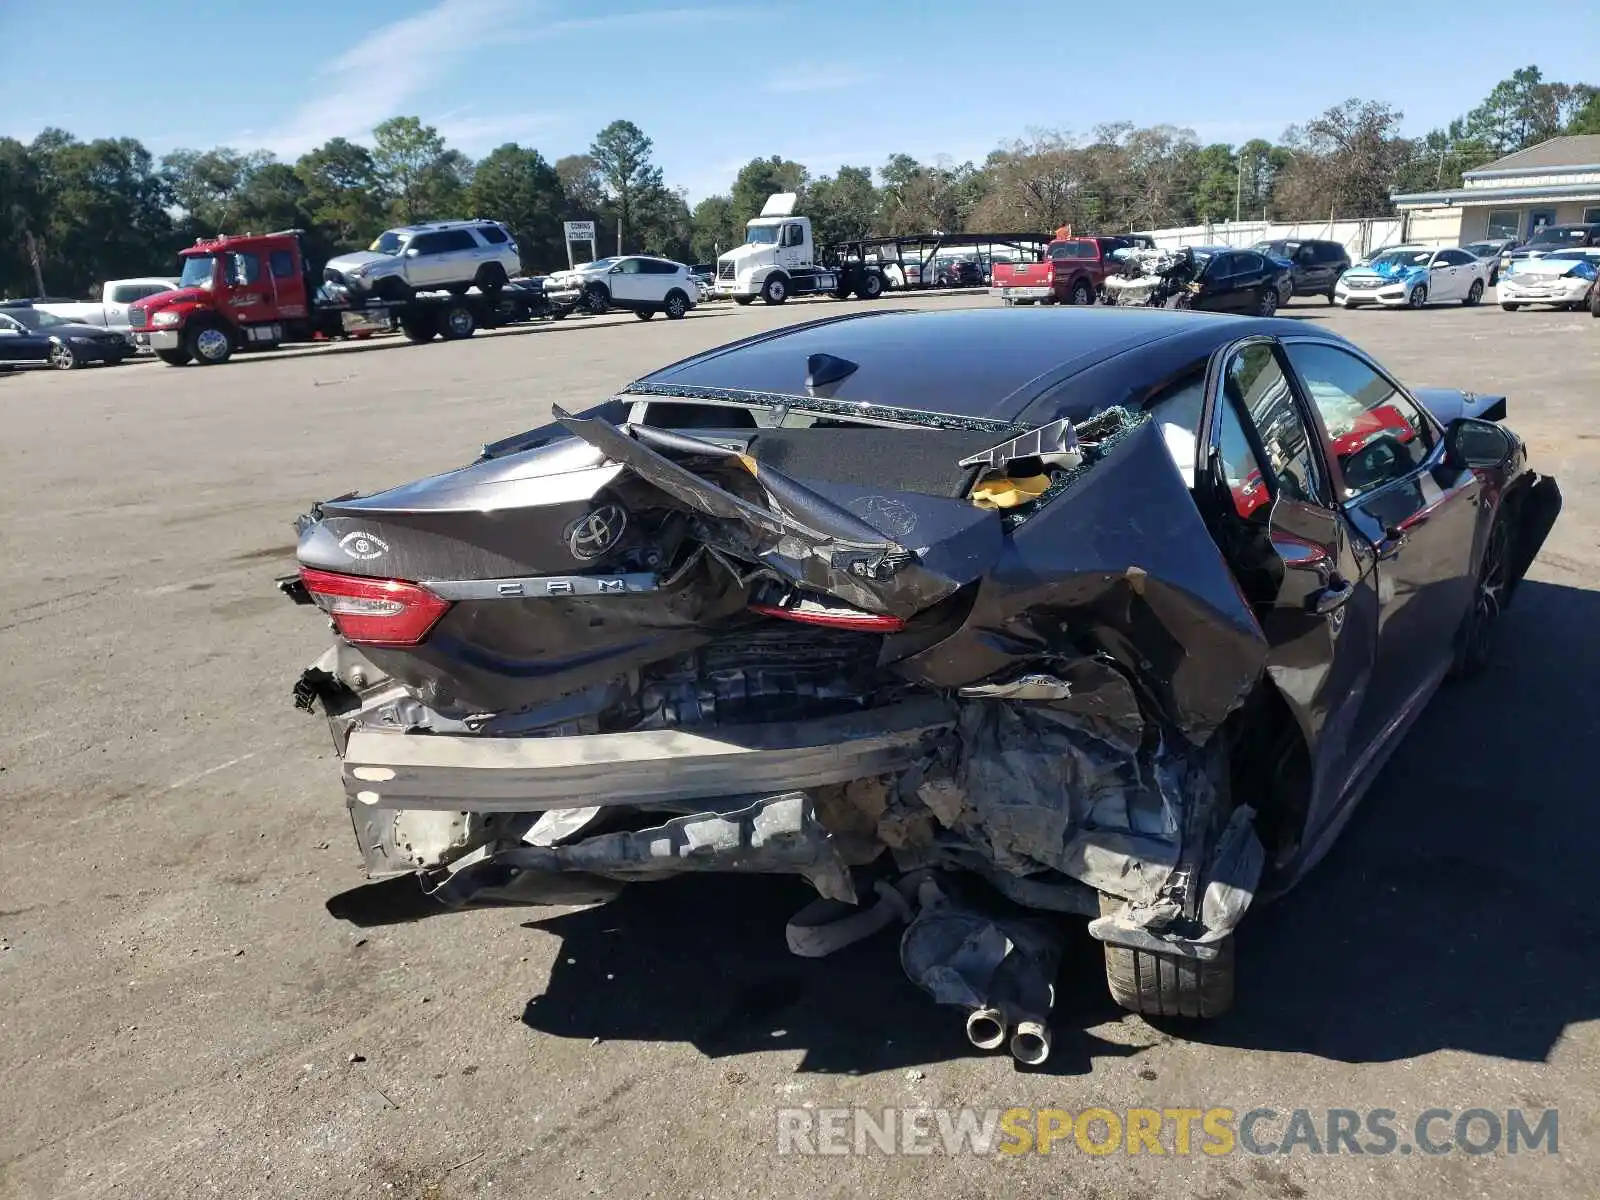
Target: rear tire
[1082,293]
[1509,307]
[459,322]
[1474,294]
[676,305]
[419,328]
[644,314]
[1170,985]
[870,287]
[174,358]
[490,279]
[744,301]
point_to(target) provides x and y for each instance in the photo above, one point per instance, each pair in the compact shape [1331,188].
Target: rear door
[1308,577]
[1416,513]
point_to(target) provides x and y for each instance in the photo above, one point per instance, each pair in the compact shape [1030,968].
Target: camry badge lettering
[362,545]
[595,533]
[538,587]
[611,585]
[558,587]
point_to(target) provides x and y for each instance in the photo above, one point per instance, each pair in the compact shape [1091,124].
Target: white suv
[642,285]
[440,256]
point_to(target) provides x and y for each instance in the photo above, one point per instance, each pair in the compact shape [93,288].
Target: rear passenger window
[1376,434]
[452,240]
[282,264]
[493,234]
[1254,383]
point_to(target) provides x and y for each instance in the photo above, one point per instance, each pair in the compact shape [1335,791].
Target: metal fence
[1357,236]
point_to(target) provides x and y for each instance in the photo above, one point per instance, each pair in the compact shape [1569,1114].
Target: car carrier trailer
[259,291]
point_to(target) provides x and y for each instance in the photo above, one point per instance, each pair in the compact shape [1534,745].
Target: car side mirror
[1476,444]
[412,253]
[616,270]
[1439,266]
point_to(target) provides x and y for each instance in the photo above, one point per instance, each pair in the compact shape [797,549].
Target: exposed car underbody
[886,652]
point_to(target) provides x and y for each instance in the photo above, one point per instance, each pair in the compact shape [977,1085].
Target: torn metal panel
[802,536]
[1121,564]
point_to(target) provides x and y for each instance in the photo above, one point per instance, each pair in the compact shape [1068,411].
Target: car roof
[988,363]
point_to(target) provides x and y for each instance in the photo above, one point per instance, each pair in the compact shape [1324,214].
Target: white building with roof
[1556,182]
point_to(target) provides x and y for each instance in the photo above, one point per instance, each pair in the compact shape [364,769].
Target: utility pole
[1238,190]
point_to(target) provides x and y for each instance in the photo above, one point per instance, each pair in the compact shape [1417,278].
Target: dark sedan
[981,617]
[1240,281]
[30,336]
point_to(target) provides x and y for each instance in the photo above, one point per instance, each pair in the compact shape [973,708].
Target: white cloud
[642,19]
[378,76]
[471,133]
[824,78]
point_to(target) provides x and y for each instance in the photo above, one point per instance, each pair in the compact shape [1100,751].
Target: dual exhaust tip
[987,1029]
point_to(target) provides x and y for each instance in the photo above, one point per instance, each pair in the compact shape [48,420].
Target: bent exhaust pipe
[1030,1044]
[986,1028]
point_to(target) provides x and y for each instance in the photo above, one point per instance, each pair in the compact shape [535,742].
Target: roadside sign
[579,231]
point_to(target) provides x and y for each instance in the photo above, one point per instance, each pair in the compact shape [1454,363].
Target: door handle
[1333,596]
[1392,543]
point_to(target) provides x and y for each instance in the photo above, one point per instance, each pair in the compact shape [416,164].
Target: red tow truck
[258,291]
[1071,273]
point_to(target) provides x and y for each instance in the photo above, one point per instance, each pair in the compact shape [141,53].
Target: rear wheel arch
[1270,768]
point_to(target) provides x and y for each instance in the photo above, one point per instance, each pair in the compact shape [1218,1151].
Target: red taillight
[834,617]
[1050,273]
[375,612]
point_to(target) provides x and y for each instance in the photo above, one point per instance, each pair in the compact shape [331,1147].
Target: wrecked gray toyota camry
[973,619]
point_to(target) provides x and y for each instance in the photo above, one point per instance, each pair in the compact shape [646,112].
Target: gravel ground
[179,1016]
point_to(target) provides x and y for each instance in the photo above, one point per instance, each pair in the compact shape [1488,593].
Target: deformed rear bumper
[518,775]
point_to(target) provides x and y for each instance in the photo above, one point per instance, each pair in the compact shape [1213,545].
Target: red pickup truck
[1071,273]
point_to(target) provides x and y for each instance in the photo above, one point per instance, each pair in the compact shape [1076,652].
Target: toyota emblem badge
[594,534]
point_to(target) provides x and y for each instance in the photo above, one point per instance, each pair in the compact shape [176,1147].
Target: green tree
[205,184]
[758,180]
[713,229]
[662,223]
[842,206]
[621,154]
[1219,188]
[22,219]
[406,155]
[1520,111]
[103,213]
[1586,117]
[342,192]
[516,185]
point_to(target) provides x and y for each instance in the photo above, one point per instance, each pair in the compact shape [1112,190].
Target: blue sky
[820,81]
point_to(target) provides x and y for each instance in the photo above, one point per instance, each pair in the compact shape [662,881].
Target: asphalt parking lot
[179,1016]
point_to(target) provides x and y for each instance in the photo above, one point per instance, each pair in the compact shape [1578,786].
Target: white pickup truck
[111,310]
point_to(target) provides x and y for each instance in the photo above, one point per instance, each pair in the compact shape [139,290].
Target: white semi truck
[779,259]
